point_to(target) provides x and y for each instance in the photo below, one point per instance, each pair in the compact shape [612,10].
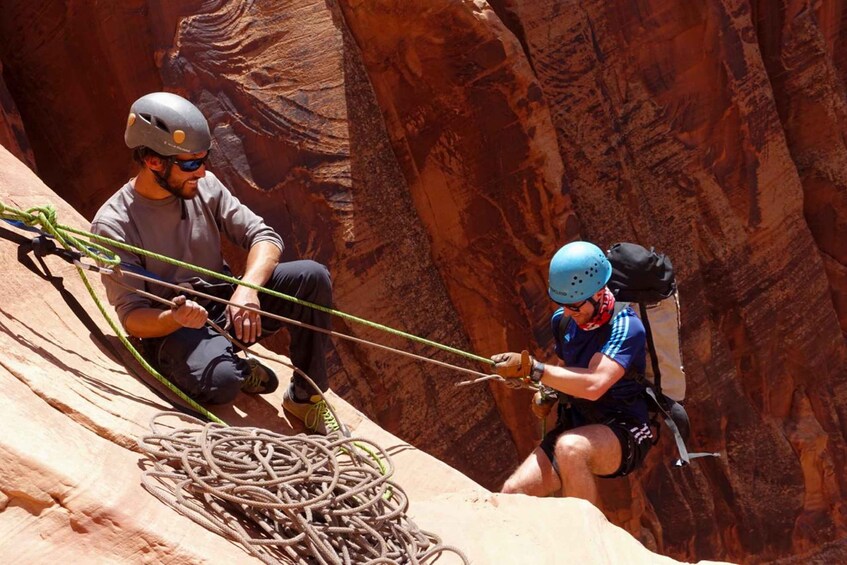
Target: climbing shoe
[314,413]
[261,380]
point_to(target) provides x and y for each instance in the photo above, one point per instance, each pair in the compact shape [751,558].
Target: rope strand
[95,249]
[286,498]
[251,486]
[233,280]
[281,319]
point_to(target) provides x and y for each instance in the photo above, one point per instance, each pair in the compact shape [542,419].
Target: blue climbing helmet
[577,271]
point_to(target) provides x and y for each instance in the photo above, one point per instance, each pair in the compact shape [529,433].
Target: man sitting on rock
[602,428]
[175,207]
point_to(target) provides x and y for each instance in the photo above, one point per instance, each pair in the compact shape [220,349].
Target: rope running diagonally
[349,317]
[237,508]
[46,217]
[130,274]
[95,249]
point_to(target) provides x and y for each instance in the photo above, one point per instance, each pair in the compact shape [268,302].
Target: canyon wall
[434,155]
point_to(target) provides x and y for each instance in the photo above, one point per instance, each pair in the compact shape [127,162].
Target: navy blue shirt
[624,341]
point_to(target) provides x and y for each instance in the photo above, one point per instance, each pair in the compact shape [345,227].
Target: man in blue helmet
[602,428]
[175,207]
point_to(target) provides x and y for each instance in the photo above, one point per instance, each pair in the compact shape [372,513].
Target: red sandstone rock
[672,137]
[70,468]
[12,133]
[435,154]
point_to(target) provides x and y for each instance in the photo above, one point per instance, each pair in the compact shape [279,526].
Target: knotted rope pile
[292,499]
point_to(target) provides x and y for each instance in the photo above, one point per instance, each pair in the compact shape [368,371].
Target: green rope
[138,357]
[47,217]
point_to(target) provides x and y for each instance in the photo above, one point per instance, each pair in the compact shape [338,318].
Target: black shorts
[635,437]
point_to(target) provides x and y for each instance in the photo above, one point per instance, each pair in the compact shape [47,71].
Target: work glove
[513,365]
[542,403]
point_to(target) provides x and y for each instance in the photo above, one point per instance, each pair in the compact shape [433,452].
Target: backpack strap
[563,325]
[651,348]
[684,456]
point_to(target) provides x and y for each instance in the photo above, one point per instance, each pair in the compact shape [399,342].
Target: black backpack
[645,279]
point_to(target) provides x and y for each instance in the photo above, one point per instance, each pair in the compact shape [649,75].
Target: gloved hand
[512,365]
[541,404]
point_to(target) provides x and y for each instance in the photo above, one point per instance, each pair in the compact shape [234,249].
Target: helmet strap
[602,310]
[162,179]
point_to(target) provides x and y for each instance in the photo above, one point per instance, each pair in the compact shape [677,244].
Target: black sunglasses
[573,307]
[191,165]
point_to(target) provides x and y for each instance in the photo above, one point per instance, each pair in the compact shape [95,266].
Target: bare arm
[590,383]
[261,262]
[153,322]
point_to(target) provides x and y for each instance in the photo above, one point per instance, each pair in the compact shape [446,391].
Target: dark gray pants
[204,364]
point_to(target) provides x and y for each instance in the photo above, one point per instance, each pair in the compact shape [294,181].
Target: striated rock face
[671,136]
[486,182]
[12,133]
[70,466]
[436,154]
[804,54]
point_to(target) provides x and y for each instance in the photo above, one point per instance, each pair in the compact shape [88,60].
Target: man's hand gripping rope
[519,367]
[512,369]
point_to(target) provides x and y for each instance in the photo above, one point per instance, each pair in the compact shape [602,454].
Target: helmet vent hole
[161,125]
[146,117]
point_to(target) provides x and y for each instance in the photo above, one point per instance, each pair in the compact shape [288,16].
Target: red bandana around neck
[602,311]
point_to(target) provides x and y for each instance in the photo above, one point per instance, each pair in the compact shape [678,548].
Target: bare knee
[572,450]
[512,486]
[534,477]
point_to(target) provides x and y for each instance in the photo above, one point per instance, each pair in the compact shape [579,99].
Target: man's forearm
[261,262]
[150,322]
[589,383]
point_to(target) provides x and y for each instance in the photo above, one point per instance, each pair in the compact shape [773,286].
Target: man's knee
[303,278]
[222,381]
[317,277]
[572,449]
[596,448]
[511,486]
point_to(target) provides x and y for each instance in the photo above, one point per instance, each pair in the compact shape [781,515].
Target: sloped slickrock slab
[72,413]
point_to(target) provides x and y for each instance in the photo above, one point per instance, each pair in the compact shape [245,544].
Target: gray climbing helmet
[168,124]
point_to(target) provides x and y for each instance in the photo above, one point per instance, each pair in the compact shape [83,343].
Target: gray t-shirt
[192,236]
